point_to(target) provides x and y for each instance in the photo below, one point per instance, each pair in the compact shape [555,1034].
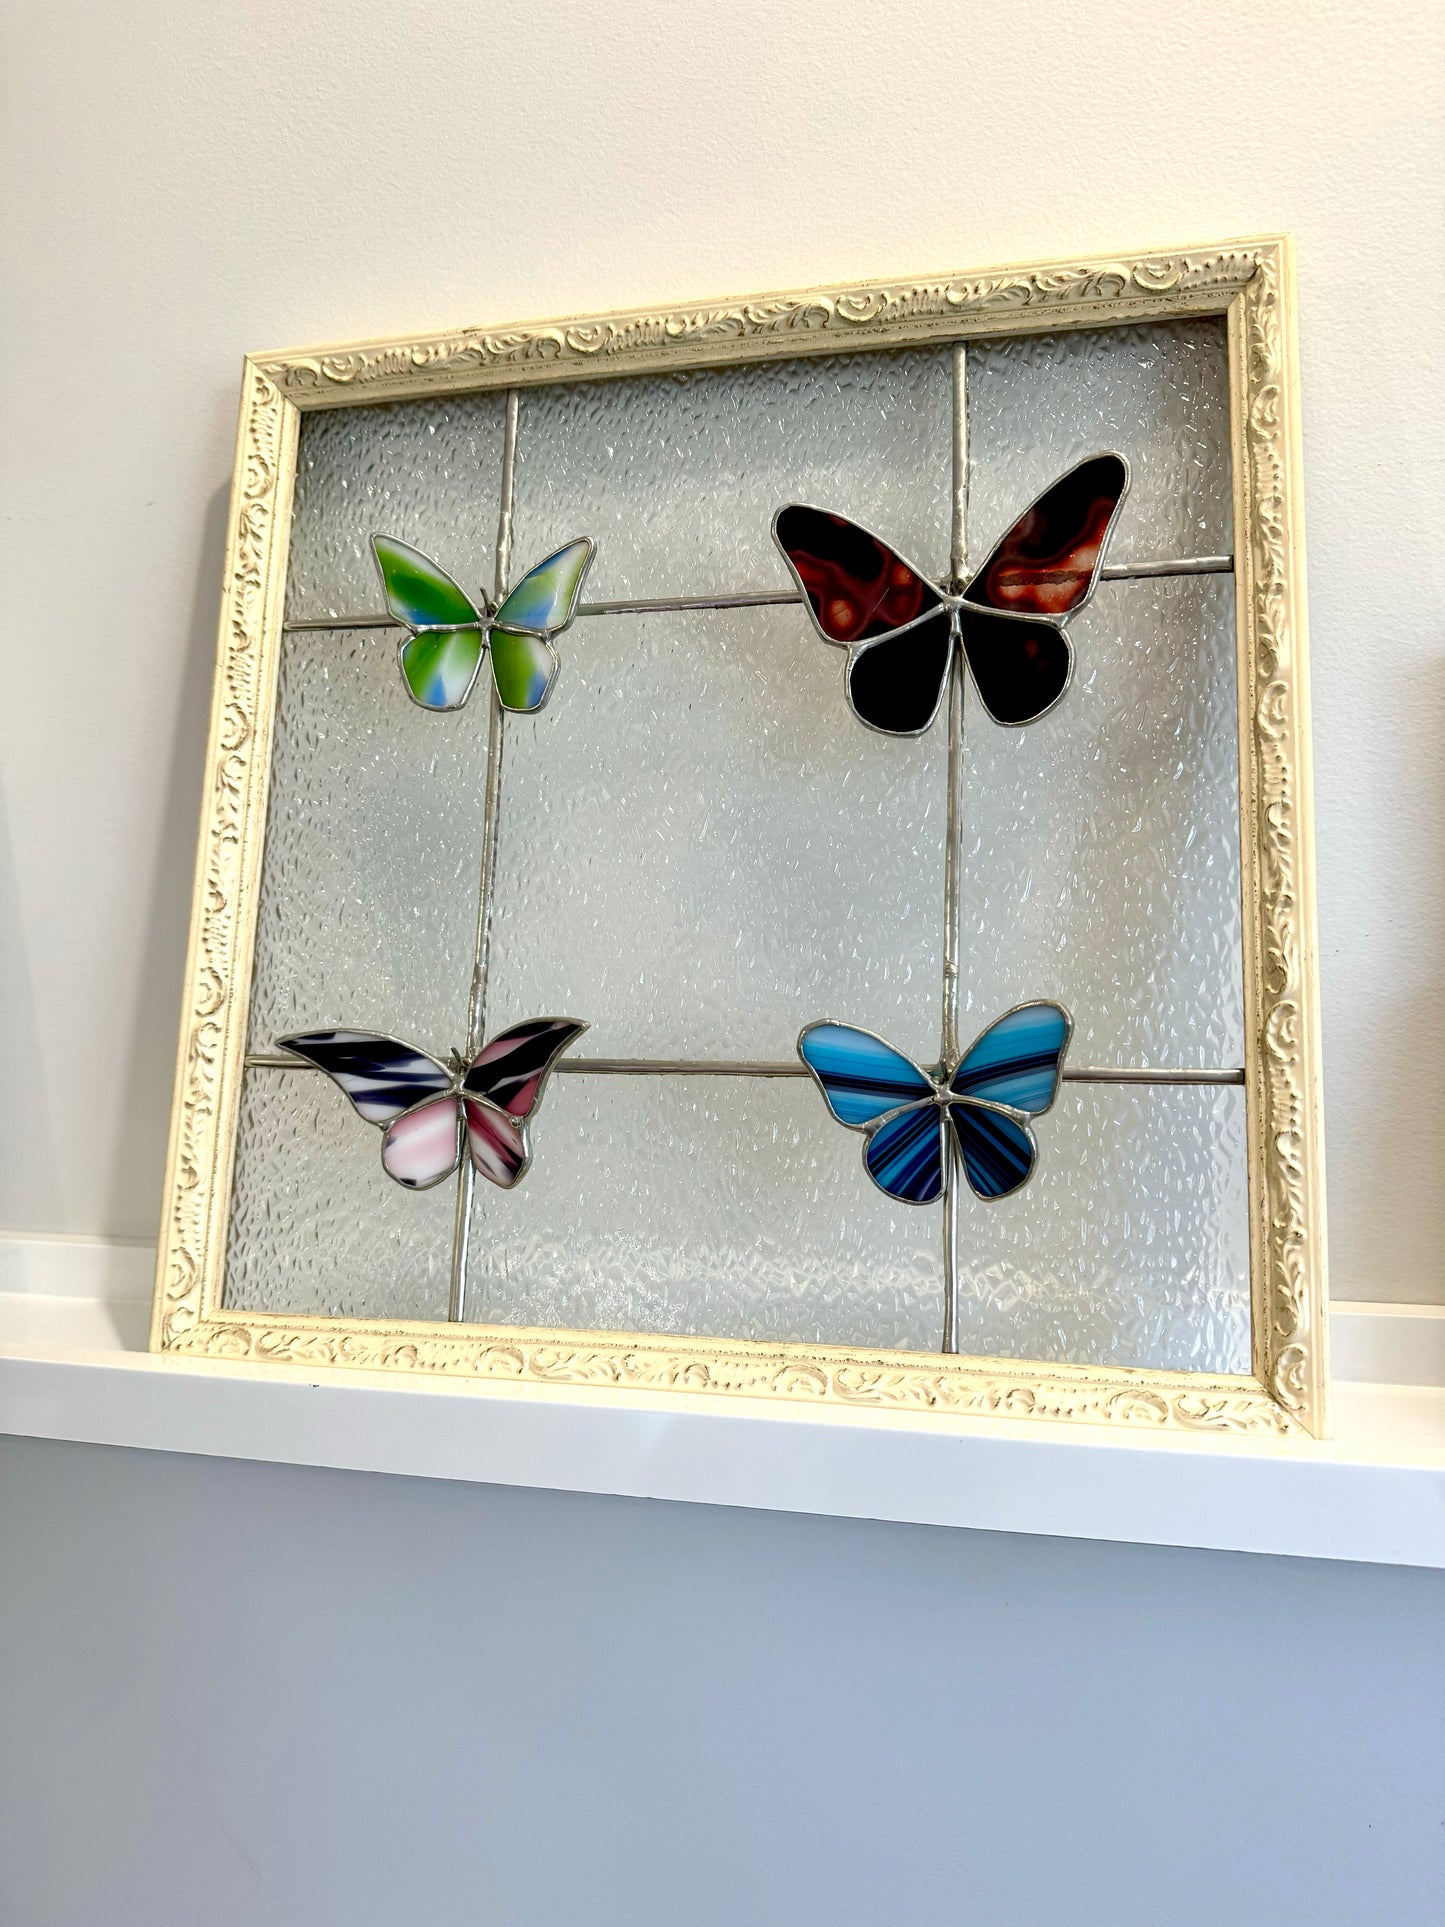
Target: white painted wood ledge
[73,1365]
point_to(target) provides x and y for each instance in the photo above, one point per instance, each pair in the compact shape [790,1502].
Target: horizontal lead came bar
[679,1067]
[719,1067]
[1127,1074]
[771,598]
[320,624]
[743,1067]
[679,604]
[1143,571]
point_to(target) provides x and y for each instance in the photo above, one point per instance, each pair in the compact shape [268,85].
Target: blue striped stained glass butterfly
[1009,1075]
[901,631]
[430,1110]
[450,633]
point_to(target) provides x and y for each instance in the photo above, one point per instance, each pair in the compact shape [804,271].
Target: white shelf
[73,1366]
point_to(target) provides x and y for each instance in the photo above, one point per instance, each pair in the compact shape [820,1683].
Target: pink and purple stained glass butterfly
[431,1110]
[1009,1075]
[450,633]
[900,630]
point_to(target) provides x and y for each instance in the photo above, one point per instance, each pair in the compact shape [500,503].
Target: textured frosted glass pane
[316,1225]
[373,849]
[701,849]
[733,1207]
[1130,1243]
[738,1209]
[426,471]
[1102,863]
[1157,394]
[677,477]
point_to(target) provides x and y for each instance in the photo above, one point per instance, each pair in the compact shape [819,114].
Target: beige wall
[186,183]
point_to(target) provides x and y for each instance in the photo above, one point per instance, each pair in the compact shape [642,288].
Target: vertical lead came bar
[477,998]
[953,846]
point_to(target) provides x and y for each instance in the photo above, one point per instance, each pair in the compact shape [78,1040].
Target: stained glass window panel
[700,849]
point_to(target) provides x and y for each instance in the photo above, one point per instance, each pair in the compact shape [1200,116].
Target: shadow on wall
[133,1195]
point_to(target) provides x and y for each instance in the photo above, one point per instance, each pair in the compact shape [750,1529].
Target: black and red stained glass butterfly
[900,630]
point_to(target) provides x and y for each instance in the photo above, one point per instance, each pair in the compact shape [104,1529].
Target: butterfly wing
[510,1071]
[904,1155]
[854,585]
[423,1145]
[542,604]
[1018,1060]
[380,1075]
[861,1077]
[545,600]
[440,663]
[497,1145]
[864,1082]
[996,1151]
[859,592]
[896,685]
[417,592]
[1020,668]
[1040,571]
[1048,562]
[504,1086]
[440,666]
[525,668]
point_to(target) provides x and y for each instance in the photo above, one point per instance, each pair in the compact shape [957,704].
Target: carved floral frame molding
[1250,282]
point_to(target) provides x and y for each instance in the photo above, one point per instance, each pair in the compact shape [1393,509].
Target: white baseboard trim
[109,1270]
[1371,1344]
[1385,1344]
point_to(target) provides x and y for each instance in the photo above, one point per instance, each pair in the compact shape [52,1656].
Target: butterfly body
[450,632]
[902,630]
[914,1120]
[430,1111]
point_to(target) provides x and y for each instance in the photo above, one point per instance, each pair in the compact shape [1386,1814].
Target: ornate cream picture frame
[1250,283]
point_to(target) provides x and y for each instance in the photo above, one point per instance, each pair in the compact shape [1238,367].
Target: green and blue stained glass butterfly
[450,633]
[1009,1075]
